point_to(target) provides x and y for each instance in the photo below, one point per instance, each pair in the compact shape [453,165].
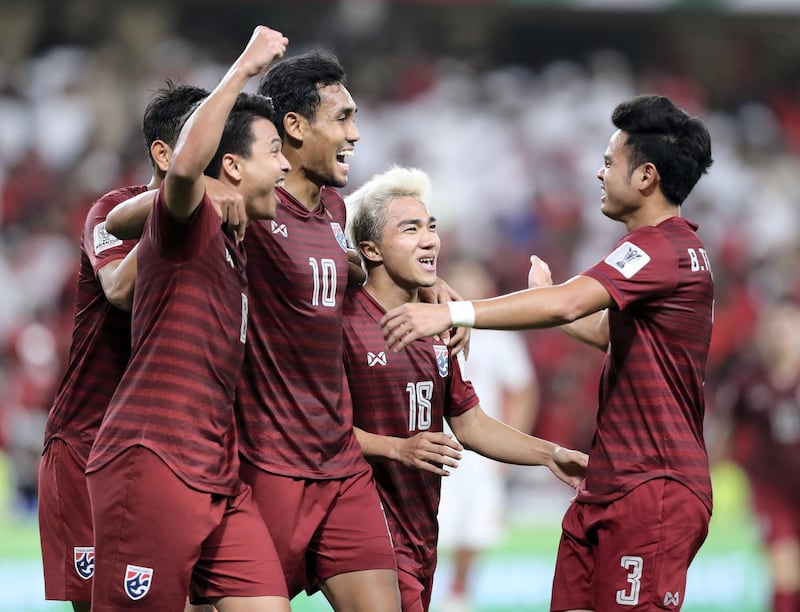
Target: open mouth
[428,262]
[341,158]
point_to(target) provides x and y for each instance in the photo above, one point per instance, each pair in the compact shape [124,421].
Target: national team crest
[339,235]
[137,581]
[442,359]
[83,557]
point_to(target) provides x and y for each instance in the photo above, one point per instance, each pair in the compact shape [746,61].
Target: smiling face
[331,138]
[620,195]
[409,244]
[263,170]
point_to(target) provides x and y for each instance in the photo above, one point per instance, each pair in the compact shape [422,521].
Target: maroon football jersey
[101,335]
[189,329]
[651,402]
[293,410]
[402,394]
[767,431]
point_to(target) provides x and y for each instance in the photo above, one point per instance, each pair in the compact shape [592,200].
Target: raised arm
[200,137]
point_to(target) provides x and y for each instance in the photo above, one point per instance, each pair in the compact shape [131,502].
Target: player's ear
[294,125]
[370,251]
[649,175]
[231,167]
[161,153]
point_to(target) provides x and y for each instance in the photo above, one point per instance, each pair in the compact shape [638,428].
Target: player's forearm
[591,330]
[126,220]
[377,447]
[496,440]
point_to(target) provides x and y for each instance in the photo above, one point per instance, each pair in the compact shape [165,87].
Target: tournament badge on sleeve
[442,361]
[137,581]
[84,561]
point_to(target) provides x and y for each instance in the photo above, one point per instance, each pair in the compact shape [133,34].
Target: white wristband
[462,313]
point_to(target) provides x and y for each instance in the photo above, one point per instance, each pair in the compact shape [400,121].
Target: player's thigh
[645,544]
[354,535]
[293,509]
[149,527]
[238,559]
[65,524]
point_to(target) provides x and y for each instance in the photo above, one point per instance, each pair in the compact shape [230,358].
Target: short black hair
[167,111]
[293,83]
[660,132]
[237,136]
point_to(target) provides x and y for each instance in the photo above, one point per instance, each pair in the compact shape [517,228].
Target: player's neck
[387,293]
[303,190]
[652,215]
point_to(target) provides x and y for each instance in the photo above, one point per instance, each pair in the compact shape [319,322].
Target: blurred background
[506,104]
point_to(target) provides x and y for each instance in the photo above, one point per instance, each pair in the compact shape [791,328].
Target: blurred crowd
[512,152]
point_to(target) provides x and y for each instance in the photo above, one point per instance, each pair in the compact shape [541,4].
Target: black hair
[167,111]
[237,135]
[293,84]
[660,132]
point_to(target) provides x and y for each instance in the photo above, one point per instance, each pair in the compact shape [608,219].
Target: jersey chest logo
[279,228]
[339,235]
[376,359]
[442,360]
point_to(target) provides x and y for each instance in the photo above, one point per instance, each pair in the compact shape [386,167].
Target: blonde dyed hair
[367,205]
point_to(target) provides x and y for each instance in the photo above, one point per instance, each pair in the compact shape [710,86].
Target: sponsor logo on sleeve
[628,259]
[103,240]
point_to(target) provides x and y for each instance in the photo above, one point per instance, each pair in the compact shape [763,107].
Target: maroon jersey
[293,409]
[767,431]
[651,402]
[101,335]
[188,330]
[402,394]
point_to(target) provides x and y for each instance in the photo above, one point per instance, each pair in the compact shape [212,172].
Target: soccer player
[98,354]
[299,452]
[171,514]
[643,514]
[400,399]
[757,411]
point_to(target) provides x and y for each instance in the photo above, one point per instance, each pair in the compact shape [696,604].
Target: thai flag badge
[137,581]
[84,561]
[442,361]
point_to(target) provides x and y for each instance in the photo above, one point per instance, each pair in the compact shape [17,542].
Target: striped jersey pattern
[101,335]
[189,332]
[293,409]
[402,394]
[651,402]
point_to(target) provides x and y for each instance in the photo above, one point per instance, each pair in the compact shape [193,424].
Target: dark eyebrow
[416,222]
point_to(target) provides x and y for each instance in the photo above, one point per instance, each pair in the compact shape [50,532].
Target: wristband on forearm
[462,313]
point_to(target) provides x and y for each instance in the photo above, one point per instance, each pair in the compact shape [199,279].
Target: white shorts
[472,508]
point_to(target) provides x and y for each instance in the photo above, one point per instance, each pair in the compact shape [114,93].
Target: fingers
[459,341]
